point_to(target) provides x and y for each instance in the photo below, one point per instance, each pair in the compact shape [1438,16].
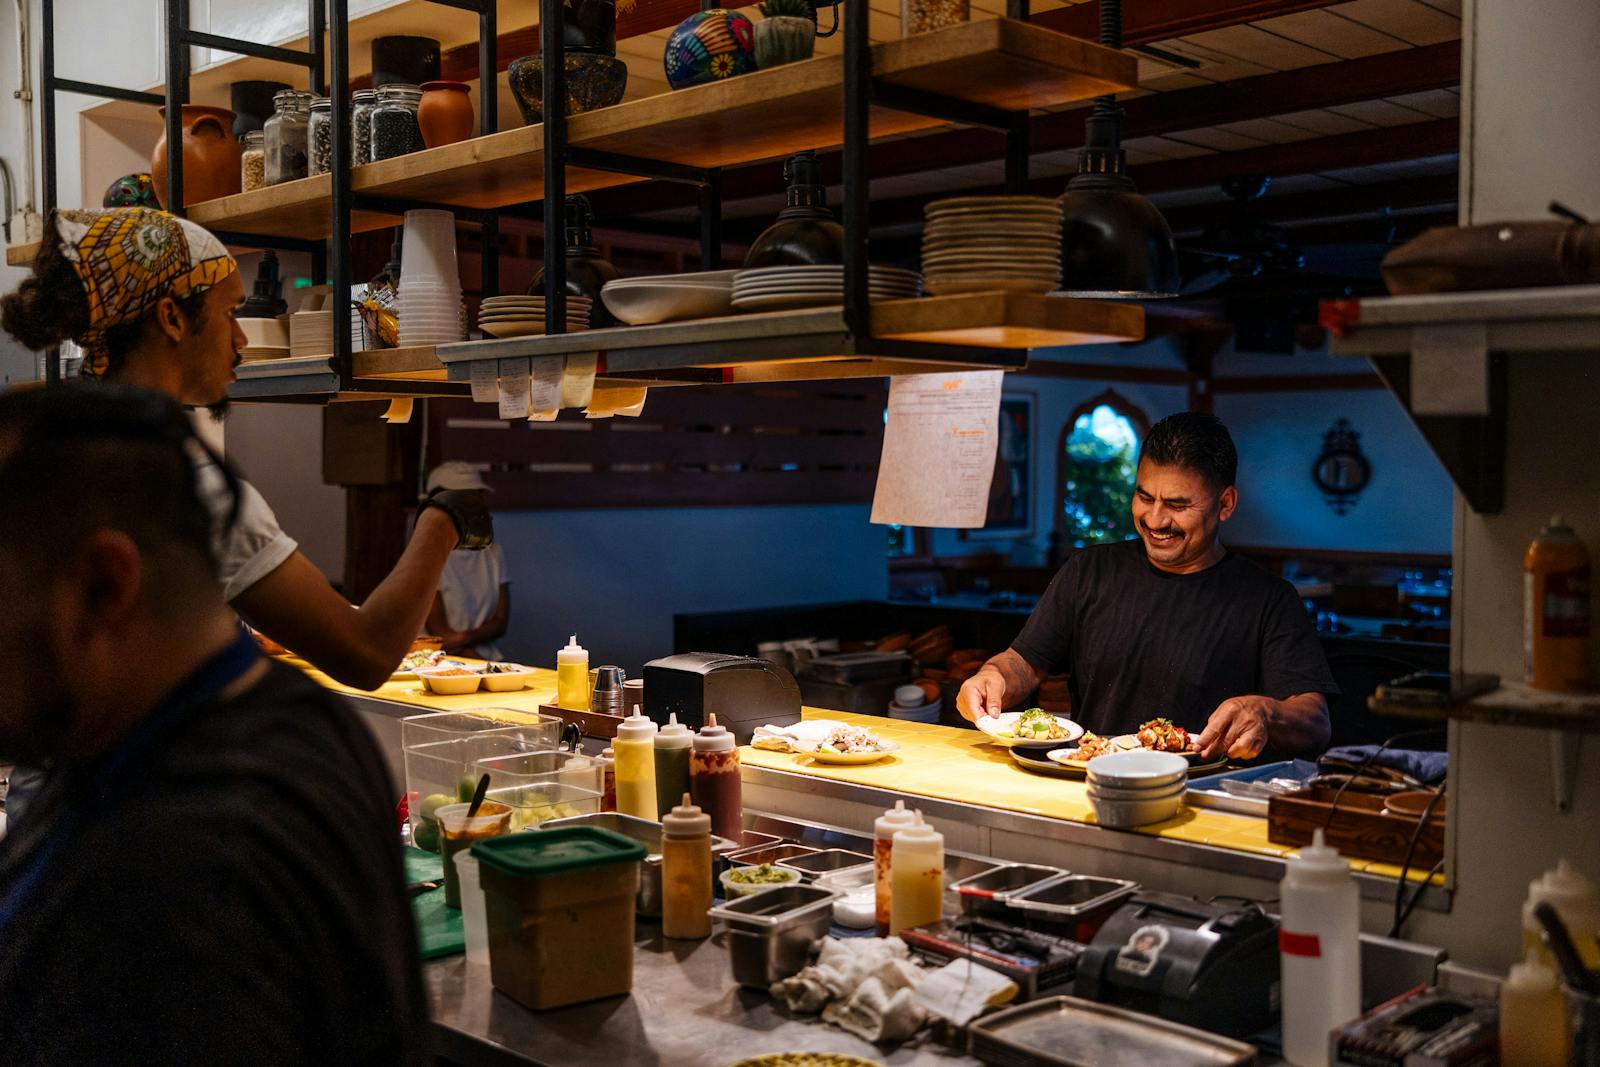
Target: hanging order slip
[938,450]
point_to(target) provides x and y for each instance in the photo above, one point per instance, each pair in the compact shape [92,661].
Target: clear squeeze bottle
[672,763]
[917,872]
[572,676]
[608,793]
[636,767]
[686,871]
[1320,951]
[714,779]
[895,818]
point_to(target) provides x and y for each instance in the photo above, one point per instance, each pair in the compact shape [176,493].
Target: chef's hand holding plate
[982,695]
[1238,728]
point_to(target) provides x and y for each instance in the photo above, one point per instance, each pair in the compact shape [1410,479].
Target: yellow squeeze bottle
[635,746]
[572,676]
[916,871]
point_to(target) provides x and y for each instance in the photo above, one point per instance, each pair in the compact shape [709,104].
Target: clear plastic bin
[543,785]
[560,913]
[441,750]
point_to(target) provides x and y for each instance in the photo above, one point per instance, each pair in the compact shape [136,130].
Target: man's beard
[219,410]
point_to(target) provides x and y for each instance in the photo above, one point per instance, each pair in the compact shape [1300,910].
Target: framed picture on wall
[1011,492]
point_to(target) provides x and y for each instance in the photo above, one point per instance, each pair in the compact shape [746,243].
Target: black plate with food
[1041,763]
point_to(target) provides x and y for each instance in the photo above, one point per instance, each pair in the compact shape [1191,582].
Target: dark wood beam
[1103,372]
[1148,21]
[1261,96]
[1438,191]
[1297,383]
[1397,229]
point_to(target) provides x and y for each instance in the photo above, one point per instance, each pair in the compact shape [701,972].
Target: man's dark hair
[1196,442]
[78,458]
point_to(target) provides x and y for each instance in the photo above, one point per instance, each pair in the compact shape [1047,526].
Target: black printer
[1210,966]
[742,691]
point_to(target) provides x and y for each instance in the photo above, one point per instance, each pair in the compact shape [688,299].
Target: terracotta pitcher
[445,113]
[210,155]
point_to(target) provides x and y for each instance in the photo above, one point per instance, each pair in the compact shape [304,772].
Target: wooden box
[592,723]
[1359,827]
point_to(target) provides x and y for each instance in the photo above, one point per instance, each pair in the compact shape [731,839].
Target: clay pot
[445,113]
[593,82]
[709,46]
[784,39]
[210,156]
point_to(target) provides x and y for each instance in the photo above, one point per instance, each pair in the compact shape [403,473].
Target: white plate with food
[1033,728]
[851,745]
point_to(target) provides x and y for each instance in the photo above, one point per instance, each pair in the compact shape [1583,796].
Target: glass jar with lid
[361,105]
[285,136]
[319,136]
[396,130]
[253,161]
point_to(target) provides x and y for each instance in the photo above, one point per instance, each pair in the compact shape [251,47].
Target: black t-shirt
[1141,643]
[240,899]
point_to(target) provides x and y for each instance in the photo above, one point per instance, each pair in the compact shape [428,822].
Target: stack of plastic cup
[430,281]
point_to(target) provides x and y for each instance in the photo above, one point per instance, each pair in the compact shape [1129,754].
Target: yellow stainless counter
[962,765]
[942,762]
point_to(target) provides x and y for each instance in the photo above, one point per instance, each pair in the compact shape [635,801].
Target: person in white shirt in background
[473,603]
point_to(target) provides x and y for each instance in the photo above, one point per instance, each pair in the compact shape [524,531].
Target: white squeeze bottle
[572,676]
[1533,1016]
[1320,949]
[1577,902]
[895,818]
[916,870]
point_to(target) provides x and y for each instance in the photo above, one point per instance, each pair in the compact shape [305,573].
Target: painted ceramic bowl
[132,190]
[709,46]
[593,82]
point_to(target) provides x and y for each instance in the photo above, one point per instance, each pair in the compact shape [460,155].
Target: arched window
[1097,461]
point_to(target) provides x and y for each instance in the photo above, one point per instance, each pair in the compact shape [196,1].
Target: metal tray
[1072,896]
[769,934]
[989,892]
[647,903]
[754,857]
[1211,793]
[825,862]
[1069,1032]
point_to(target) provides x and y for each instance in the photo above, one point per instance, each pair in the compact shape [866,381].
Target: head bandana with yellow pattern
[127,259]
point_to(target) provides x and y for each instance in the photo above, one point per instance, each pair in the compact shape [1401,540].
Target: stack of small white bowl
[912,704]
[523,316]
[977,243]
[430,280]
[1137,788]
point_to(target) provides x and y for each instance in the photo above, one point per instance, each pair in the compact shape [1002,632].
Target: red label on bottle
[1299,944]
[1565,610]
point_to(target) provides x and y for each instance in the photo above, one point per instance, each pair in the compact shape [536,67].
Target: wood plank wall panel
[803,443]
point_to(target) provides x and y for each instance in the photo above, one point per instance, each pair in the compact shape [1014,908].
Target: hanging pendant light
[1114,242]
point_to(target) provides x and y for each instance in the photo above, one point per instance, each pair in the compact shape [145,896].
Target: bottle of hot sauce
[714,779]
[1555,610]
[895,818]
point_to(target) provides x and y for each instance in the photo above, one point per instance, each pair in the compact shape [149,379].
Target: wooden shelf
[762,115]
[994,330]
[1513,704]
[313,377]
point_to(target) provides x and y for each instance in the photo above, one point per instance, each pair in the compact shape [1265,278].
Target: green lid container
[551,852]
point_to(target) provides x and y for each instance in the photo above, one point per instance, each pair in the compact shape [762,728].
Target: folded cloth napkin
[1429,768]
[860,984]
[797,737]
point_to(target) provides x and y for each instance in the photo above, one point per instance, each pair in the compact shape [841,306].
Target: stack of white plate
[311,333]
[912,704]
[978,243]
[429,303]
[1137,788]
[670,297]
[523,316]
[776,288]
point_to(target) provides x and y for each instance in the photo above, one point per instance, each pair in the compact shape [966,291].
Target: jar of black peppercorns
[319,135]
[395,129]
[361,105]
[285,138]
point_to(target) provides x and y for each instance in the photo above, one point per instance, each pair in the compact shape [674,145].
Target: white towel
[798,737]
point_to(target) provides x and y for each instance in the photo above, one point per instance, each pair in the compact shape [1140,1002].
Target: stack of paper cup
[430,280]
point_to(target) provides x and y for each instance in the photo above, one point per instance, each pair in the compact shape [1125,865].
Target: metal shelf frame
[331,259]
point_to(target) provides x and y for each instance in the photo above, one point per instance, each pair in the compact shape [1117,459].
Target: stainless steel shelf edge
[740,328]
[295,376]
[1558,318]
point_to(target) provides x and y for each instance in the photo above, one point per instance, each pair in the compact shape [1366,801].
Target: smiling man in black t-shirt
[1173,625]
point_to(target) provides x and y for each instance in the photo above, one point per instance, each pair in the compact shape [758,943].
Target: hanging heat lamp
[1114,242]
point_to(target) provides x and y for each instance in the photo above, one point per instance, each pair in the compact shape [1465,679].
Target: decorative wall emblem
[1341,471]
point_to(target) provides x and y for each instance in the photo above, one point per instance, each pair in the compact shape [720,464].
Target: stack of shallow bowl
[1137,788]
[801,286]
[977,243]
[912,704]
[523,316]
[669,297]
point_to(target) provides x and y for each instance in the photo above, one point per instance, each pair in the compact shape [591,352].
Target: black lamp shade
[1114,242]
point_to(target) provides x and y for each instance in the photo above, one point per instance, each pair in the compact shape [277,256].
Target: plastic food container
[560,914]
[474,924]
[770,934]
[732,890]
[538,786]
[443,683]
[827,861]
[440,750]
[648,903]
[507,681]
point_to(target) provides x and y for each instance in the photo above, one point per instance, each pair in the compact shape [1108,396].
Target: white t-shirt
[255,546]
[470,589]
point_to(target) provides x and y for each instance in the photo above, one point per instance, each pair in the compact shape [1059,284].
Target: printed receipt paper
[938,450]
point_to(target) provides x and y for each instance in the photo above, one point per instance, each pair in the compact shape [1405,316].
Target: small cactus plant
[800,9]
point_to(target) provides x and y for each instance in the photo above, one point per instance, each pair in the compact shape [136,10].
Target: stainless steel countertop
[685,1011]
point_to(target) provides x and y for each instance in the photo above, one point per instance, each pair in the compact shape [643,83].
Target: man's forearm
[1300,725]
[1019,676]
[395,611]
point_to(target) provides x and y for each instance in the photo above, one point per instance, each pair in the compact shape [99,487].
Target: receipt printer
[743,692]
[1211,966]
